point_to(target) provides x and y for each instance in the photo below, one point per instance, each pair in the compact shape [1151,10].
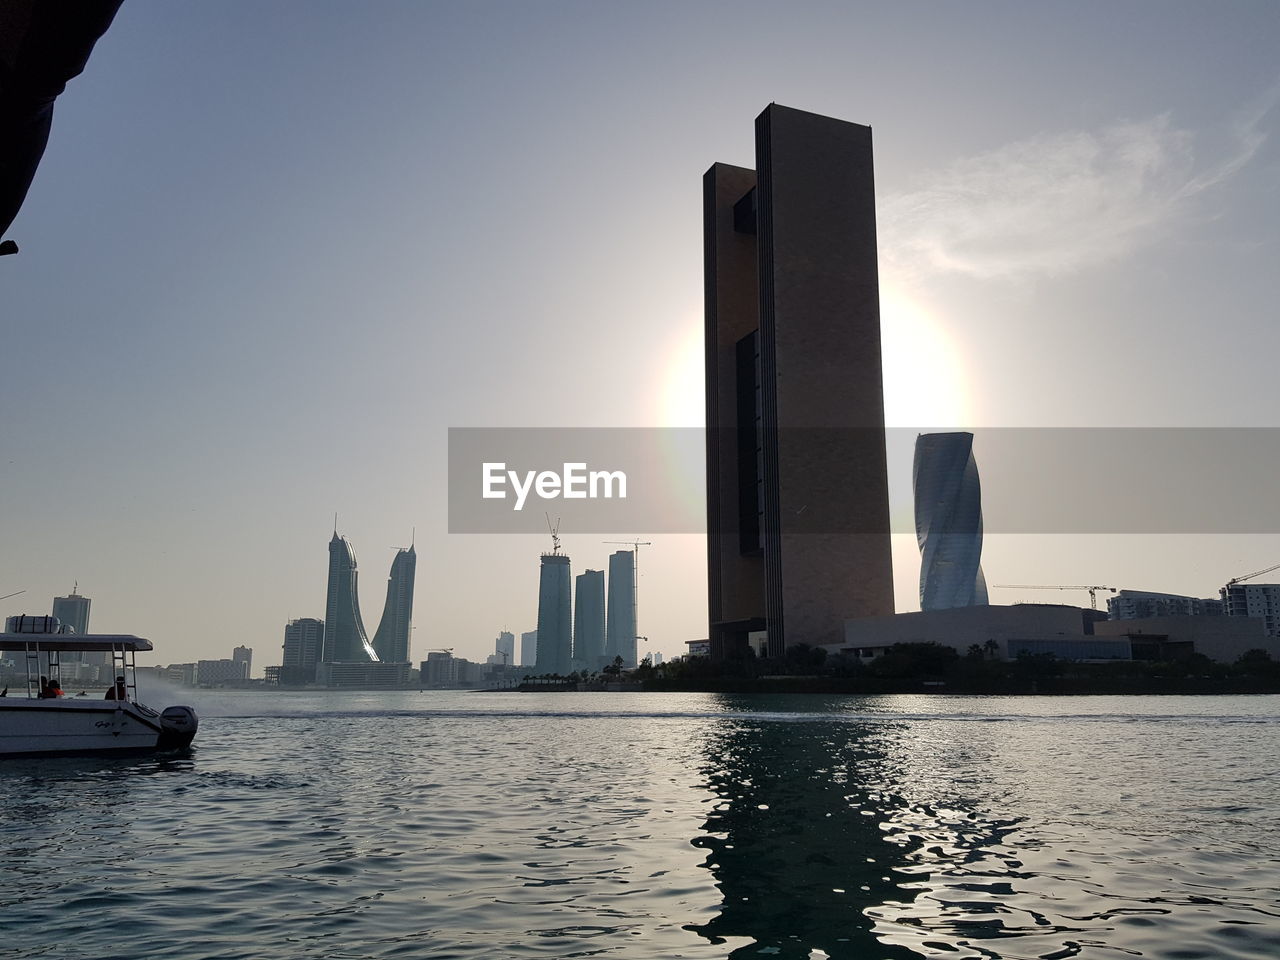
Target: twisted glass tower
[948,522]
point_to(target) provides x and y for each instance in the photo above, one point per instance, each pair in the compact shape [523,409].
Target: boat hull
[81,726]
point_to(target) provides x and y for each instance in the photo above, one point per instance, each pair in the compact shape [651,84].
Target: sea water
[452,824]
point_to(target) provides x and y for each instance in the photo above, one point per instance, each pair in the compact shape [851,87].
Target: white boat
[36,724]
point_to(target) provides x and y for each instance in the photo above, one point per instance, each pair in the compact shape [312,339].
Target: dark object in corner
[43,45]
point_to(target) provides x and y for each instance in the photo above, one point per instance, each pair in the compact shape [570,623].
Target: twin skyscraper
[345,640]
[336,651]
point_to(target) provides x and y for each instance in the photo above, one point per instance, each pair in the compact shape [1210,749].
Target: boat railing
[42,655]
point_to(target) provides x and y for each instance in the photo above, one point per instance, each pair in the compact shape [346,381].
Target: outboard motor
[179,726]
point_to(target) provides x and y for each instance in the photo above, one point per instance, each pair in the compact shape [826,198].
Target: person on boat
[53,690]
[116,692]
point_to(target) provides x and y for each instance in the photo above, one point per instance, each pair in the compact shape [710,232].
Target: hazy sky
[276,250]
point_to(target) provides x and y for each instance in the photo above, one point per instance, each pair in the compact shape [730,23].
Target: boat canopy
[64,642]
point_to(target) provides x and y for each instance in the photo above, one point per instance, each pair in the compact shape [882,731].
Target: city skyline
[1046,233]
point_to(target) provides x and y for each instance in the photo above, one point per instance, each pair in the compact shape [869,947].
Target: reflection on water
[794,842]
[680,826]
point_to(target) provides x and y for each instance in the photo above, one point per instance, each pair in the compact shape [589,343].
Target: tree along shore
[931,668]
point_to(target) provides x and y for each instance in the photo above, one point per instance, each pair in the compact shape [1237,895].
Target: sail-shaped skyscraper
[948,522]
[344,638]
[391,642]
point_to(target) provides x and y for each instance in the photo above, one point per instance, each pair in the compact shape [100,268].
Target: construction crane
[448,650]
[555,535]
[1230,583]
[1093,591]
[635,546]
[14,594]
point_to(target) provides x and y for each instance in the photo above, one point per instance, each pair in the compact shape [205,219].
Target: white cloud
[1052,205]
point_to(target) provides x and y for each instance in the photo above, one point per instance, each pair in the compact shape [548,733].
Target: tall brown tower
[797,486]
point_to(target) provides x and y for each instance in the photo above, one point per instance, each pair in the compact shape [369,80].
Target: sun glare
[683,402]
[924,377]
[924,381]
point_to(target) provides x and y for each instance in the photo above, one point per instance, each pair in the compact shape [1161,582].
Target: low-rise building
[1254,600]
[1219,638]
[220,673]
[443,670]
[1002,632]
[374,675]
[1136,604]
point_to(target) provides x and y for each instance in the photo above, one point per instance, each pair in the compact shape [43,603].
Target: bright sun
[924,381]
[683,397]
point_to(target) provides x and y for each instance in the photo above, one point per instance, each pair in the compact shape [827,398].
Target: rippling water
[659,825]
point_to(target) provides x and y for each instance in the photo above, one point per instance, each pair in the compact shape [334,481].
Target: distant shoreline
[1051,687]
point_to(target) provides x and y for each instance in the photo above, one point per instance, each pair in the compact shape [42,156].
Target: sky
[277,249]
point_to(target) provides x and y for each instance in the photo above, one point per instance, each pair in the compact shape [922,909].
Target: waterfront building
[554,607]
[1254,600]
[219,673]
[244,657]
[303,643]
[391,641]
[442,670]
[180,673]
[367,675]
[999,632]
[345,640]
[1175,636]
[797,481]
[620,626]
[1136,604]
[73,611]
[529,648]
[589,619]
[504,649]
[948,499]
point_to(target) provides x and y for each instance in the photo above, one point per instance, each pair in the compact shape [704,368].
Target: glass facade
[391,642]
[620,629]
[948,499]
[555,629]
[344,638]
